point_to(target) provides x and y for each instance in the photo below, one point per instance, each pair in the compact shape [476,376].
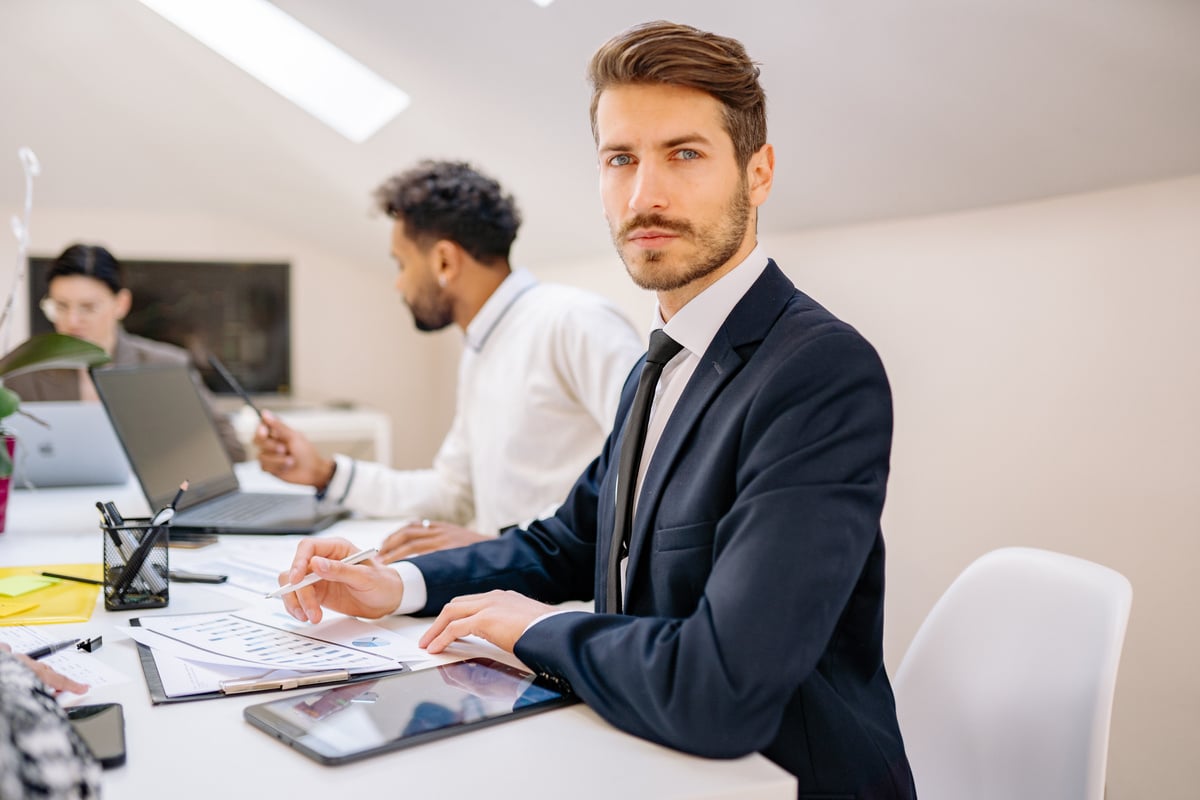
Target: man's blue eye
[620,160]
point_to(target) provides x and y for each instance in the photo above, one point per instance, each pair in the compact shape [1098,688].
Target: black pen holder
[135,565]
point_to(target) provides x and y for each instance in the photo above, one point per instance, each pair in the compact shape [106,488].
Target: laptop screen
[167,432]
[75,447]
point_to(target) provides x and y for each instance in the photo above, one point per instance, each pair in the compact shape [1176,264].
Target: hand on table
[498,616]
[426,536]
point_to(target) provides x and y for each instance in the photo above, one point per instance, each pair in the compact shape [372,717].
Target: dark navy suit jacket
[754,618]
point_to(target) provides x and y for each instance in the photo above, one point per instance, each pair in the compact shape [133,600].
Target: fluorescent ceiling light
[292,60]
[543,3]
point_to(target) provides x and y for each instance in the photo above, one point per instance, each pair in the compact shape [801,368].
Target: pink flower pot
[10,443]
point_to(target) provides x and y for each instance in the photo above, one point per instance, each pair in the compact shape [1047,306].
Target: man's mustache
[654,221]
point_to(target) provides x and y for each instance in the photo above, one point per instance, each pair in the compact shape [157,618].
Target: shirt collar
[696,324]
[516,284]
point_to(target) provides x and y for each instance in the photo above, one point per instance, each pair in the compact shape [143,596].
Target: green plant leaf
[51,351]
[8,402]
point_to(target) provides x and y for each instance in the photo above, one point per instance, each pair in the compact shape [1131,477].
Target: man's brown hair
[679,55]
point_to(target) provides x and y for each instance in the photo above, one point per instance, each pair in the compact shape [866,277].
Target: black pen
[42,652]
[233,384]
[76,578]
[113,521]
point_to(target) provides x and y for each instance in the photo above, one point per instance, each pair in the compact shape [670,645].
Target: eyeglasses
[56,311]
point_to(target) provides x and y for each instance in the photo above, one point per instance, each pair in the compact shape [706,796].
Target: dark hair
[679,55]
[452,200]
[90,260]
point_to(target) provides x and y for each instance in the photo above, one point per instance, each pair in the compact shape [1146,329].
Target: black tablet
[357,720]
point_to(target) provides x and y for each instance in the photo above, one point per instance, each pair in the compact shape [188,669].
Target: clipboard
[159,696]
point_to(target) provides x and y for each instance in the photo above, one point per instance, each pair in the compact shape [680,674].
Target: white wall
[1045,364]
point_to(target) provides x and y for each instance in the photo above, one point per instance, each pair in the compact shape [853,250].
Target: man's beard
[431,311]
[714,248]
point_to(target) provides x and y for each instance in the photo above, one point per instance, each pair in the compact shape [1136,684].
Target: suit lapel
[732,347]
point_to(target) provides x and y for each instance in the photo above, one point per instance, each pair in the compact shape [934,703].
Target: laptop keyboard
[241,508]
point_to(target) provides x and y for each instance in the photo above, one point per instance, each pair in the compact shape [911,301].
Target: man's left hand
[500,617]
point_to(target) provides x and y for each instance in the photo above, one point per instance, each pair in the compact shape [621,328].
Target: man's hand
[287,454]
[500,617]
[366,589]
[425,537]
[53,679]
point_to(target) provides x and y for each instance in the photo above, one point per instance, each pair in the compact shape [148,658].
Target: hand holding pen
[366,589]
[55,680]
[312,577]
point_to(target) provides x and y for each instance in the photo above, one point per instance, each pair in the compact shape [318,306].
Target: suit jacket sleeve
[764,569]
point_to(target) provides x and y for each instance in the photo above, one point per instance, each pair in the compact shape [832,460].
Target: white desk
[205,749]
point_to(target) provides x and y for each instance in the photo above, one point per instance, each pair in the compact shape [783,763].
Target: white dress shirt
[538,386]
[694,326]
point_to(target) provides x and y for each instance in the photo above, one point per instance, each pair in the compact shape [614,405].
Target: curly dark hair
[452,200]
[679,55]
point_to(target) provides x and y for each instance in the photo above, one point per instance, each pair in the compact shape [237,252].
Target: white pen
[312,577]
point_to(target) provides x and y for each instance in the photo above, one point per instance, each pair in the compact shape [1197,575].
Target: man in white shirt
[538,383]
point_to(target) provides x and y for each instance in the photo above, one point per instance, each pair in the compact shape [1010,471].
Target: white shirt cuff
[415,593]
[339,484]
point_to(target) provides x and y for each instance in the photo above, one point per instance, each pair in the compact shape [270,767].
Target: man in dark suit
[745,612]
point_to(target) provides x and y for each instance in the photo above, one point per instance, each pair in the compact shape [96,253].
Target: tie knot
[662,348]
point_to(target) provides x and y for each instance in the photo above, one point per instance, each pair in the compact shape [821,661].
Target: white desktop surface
[205,749]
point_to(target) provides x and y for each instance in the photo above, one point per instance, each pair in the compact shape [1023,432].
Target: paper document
[203,653]
[75,664]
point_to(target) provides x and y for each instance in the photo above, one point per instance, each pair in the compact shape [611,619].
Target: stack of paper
[259,649]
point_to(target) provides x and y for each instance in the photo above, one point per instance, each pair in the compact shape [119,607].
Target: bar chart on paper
[232,636]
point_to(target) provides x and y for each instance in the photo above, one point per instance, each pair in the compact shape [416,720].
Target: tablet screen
[361,719]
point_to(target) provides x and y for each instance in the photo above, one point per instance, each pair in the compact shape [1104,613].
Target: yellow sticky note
[17,585]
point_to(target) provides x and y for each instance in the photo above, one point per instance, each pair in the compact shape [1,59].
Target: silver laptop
[169,435]
[76,446]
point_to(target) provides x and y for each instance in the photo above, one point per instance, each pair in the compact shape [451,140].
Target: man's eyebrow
[689,138]
[675,141]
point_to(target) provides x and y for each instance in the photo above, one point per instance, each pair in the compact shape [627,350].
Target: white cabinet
[358,432]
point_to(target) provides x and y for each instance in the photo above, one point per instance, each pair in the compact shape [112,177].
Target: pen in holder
[135,564]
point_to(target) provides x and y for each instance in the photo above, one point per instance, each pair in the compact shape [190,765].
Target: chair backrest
[1007,688]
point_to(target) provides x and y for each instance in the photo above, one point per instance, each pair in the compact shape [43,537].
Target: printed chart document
[259,649]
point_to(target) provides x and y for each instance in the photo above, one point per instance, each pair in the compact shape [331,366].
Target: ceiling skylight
[291,59]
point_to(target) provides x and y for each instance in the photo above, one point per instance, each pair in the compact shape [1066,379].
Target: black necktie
[662,349]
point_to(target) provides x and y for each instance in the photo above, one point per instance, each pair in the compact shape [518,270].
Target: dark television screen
[236,310]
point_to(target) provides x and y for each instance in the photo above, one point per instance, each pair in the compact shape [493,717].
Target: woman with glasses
[86,297]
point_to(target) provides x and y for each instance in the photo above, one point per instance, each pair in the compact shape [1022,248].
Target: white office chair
[1006,691]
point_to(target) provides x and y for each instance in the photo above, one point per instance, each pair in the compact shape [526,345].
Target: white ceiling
[877,108]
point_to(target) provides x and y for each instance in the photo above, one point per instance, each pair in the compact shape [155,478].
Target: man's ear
[446,261]
[760,174]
